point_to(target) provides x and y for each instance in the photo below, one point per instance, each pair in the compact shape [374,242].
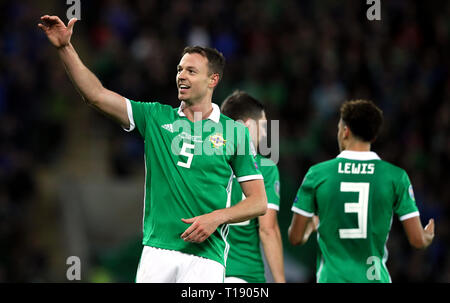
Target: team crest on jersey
[217,140]
[411,193]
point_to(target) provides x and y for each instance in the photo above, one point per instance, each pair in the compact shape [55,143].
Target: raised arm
[87,84]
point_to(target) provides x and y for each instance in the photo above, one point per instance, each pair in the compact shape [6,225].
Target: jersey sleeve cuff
[130,117]
[273,206]
[301,212]
[249,178]
[410,215]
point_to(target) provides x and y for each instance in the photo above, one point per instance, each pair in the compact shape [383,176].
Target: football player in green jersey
[355,196]
[245,263]
[187,191]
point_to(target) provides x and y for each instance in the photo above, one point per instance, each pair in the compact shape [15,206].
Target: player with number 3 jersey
[355,196]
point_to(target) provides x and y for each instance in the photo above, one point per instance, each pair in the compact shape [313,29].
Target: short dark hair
[363,118]
[216,60]
[241,106]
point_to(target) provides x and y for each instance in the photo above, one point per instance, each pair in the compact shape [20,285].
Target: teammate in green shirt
[191,154]
[355,196]
[245,263]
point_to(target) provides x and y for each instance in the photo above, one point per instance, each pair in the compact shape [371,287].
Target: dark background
[71,181]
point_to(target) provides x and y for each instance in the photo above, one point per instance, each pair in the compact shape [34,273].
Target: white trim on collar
[214,116]
[356,155]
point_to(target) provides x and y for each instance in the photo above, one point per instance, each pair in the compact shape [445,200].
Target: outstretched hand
[57,32]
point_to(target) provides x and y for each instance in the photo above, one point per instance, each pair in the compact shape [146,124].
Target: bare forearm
[273,251]
[296,231]
[87,84]
[247,209]
[418,236]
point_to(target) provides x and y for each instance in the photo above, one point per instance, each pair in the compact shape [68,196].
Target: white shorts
[169,266]
[234,280]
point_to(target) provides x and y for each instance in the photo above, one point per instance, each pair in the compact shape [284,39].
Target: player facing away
[355,196]
[245,263]
[185,221]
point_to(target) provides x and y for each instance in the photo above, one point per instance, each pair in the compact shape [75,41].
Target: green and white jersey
[244,258]
[189,170]
[355,196]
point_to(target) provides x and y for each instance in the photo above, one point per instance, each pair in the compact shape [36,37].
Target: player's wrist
[221,216]
[64,47]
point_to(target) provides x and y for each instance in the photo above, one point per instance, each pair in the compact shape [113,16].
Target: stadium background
[71,181]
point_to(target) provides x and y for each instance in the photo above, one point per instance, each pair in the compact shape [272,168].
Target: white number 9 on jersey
[361,208]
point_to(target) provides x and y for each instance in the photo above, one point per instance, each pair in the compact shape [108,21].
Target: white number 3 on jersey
[361,208]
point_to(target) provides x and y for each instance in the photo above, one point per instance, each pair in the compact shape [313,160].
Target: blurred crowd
[300,58]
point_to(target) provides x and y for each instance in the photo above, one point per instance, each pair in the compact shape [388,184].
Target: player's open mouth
[183,87]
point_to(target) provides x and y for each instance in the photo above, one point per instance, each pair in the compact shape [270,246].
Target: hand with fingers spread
[201,227]
[57,33]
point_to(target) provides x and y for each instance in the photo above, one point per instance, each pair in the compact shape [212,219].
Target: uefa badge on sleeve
[276,186]
[411,193]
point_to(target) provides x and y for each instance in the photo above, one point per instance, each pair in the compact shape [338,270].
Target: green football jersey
[244,258]
[355,196]
[189,170]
